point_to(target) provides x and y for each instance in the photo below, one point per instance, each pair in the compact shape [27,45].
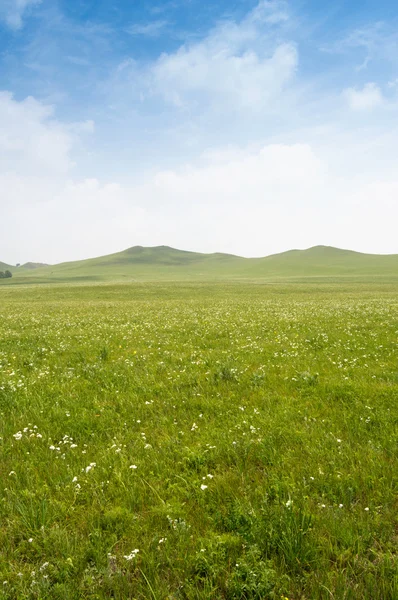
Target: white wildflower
[132,554]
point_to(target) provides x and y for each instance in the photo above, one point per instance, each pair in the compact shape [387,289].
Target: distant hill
[164,263]
[33,265]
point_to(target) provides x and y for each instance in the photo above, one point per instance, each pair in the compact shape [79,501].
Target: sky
[241,126]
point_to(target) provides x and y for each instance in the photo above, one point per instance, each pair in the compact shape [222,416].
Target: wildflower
[367,509]
[341,505]
[18,435]
[289,503]
[132,554]
[133,467]
[11,473]
[30,540]
[203,487]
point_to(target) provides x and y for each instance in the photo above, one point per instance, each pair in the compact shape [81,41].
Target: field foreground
[199,441]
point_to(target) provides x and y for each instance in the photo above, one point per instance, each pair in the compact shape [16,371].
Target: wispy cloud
[12,11]
[375,41]
[238,65]
[152,29]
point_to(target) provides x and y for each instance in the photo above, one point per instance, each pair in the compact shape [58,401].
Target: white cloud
[249,201]
[238,65]
[269,11]
[227,205]
[12,11]
[367,98]
[32,142]
[223,76]
[34,145]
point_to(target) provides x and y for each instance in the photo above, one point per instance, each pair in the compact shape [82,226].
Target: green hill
[4,267]
[164,263]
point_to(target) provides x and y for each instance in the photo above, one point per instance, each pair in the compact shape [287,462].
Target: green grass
[261,419]
[168,264]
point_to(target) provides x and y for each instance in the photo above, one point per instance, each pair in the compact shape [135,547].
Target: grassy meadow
[191,441]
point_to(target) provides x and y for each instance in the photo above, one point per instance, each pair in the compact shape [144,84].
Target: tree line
[5,274]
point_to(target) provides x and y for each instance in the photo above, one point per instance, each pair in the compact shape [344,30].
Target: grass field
[199,441]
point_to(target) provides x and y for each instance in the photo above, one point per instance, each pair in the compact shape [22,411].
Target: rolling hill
[4,267]
[164,263]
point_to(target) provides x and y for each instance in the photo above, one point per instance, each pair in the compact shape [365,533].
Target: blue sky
[249,126]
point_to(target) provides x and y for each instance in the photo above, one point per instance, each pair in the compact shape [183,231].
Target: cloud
[12,11]
[238,66]
[223,76]
[376,42]
[246,154]
[230,201]
[152,29]
[244,200]
[367,98]
[32,141]
[269,11]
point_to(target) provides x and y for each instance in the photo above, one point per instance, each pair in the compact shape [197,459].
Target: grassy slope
[164,263]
